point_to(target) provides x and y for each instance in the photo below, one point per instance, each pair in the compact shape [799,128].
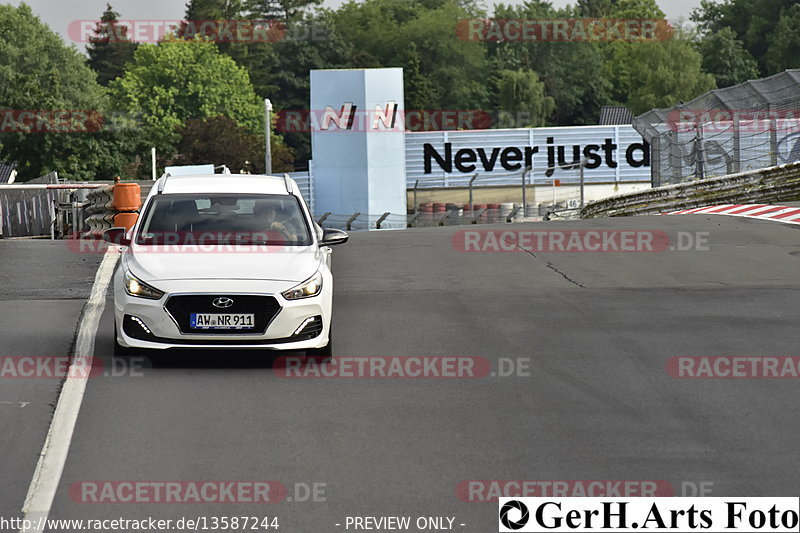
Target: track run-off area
[665,370]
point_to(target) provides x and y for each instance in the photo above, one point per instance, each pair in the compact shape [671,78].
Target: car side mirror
[331,236]
[117,236]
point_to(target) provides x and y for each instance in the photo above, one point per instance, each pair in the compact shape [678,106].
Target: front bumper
[297,325]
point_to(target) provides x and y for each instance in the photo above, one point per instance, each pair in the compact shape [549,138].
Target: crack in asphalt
[549,265]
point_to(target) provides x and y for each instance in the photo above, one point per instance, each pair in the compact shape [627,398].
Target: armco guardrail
[772,184]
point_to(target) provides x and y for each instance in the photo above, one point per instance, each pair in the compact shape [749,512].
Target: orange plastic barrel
[127,197]
[125,220]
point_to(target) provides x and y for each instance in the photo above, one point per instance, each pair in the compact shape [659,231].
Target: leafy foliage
[221,141]
[571,71]
[110,49]
[725,58]
[39,73]
[177,80]
[768,29]
[521,91]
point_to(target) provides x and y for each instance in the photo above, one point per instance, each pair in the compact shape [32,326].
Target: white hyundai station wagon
[224,261]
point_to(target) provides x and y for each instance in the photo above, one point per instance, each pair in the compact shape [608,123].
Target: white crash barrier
[772,184]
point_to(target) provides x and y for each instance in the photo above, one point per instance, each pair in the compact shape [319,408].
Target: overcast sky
[59,13]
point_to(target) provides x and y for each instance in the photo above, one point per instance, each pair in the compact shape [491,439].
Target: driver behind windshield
[268,216]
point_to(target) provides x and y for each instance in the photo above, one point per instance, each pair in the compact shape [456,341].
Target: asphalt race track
[585,337]
[43,286]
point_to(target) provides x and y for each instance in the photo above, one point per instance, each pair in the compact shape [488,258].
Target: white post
[268,141]
[153,162]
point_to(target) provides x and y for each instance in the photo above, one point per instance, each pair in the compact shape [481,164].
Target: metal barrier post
[380,220]
[410,221]
[524,193]
[737,147]
[321,219]
[473,178]
[701,153]
[773,140]
[477,216]
[350,220]
[416,184]
[514,212]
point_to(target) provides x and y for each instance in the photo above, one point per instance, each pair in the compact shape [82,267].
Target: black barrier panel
[26,213]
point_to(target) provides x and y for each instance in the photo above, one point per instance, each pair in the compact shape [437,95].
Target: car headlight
[136,287]
[310,287]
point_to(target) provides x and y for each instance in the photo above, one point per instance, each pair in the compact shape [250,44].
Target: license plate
[221,321]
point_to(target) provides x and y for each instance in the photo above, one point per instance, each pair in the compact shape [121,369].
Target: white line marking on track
[48,471]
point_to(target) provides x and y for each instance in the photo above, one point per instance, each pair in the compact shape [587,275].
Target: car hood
[153,263]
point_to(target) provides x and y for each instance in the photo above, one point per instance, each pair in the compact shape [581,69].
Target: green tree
[221,141]
[521,91]
[421,92]
[595,8]
[766,28]
[636,9]
[177,80]
[278,67]
[38,72]
[286,10]
[572,72]
[281,71]
[725,58]
[451,70]
[647,75]
[784,42]
[203,10]
[110,49]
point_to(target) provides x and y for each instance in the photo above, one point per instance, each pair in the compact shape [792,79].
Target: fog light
[141,324]
[306,322]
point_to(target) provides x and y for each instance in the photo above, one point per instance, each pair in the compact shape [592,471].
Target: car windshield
[224,219]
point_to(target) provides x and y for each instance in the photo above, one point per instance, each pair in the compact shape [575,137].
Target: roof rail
[163,182]
[288,183]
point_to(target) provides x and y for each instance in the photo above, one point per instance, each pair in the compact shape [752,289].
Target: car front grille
[264,308]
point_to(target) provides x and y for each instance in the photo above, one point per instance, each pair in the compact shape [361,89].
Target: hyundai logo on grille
[222,303]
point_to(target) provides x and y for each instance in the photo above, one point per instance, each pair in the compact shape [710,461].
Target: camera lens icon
[524,515]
